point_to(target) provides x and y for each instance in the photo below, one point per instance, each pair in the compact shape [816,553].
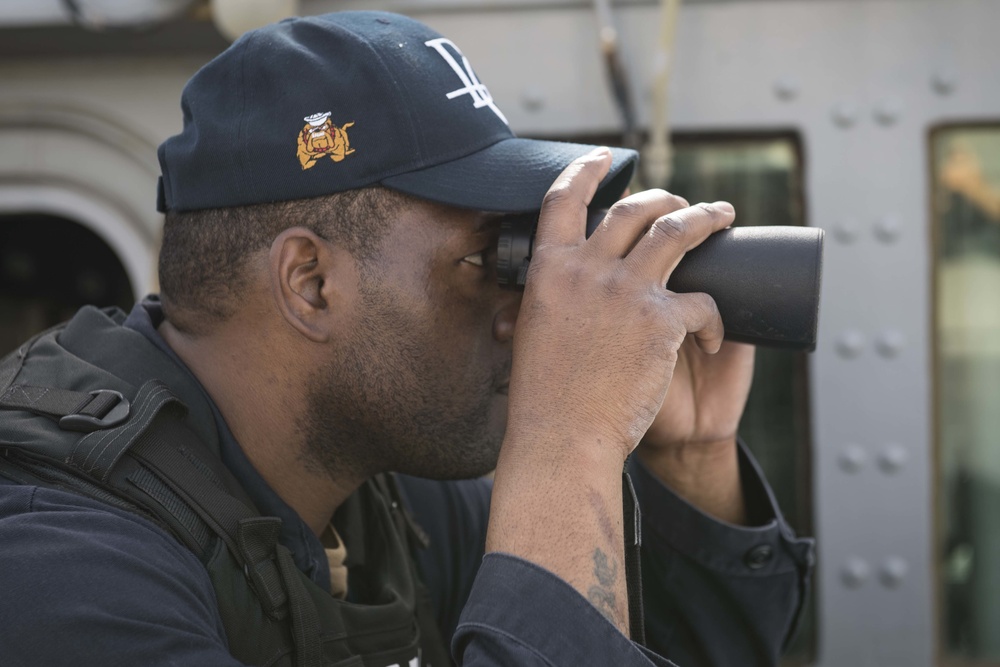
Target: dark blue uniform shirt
[83,583]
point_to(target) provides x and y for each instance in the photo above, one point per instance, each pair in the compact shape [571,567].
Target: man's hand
[706,398]
[691,445]
[596,344]
[702,410]
[598,335]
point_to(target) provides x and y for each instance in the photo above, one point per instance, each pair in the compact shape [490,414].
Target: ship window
[966,225]
[762,177]
[49,267]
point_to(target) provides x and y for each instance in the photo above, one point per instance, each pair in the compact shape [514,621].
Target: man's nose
[506,317]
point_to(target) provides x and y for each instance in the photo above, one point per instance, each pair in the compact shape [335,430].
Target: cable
[657,155]
[80,19]
[608,39]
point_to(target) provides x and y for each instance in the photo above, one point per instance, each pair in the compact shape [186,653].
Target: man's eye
[477,258]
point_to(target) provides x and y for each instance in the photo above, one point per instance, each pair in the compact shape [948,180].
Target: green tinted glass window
[966,173]
[762,177]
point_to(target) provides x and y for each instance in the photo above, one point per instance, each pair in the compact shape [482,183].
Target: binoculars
[765,280]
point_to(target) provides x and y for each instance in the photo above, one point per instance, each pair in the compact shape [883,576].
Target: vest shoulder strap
[139,456]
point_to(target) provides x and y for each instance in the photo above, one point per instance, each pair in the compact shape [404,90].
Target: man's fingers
[672,235]
[629,218]
[563,217]
[699,315]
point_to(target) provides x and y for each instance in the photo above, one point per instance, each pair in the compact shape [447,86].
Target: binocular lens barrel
[765,280]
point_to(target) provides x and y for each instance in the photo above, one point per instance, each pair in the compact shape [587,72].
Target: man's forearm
[565,514]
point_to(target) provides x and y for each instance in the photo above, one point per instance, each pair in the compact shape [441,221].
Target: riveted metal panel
[862,83]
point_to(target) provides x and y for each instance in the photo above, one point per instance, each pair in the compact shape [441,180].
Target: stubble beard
[387,403]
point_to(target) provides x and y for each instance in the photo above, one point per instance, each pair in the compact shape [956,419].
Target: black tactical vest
[92,407]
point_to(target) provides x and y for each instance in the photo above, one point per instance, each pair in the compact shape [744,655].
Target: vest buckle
[104,409]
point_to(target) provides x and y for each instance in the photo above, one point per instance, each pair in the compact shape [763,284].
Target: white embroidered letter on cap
[480,94]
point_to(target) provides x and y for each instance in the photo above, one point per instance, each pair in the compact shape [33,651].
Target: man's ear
[311,280]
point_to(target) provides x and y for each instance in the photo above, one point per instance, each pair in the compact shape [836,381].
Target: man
[324,322]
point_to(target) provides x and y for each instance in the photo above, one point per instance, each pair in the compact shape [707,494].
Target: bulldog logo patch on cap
[321,138]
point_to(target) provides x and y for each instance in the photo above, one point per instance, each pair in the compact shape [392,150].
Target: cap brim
[511,176]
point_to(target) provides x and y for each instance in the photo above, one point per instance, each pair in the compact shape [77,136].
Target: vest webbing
[137,454]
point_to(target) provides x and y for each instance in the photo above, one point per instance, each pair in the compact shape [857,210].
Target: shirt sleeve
[715,593]
[521,614]
[84,584]
[512,612]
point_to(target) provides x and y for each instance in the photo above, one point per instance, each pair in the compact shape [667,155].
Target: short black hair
[203,257]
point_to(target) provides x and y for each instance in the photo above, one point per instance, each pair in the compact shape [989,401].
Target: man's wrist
[707,475]
[556,442]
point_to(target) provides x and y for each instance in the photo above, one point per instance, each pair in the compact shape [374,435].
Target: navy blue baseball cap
[317,105]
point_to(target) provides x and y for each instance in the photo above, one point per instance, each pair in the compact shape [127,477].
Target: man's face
[421,385]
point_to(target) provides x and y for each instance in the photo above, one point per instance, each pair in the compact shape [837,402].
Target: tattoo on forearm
[602,595]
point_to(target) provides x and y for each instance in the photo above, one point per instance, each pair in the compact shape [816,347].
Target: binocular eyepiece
[765,280]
